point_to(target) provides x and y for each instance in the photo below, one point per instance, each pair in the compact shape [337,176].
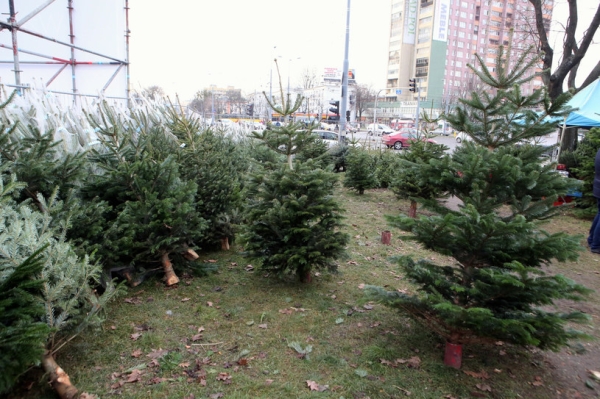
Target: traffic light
[347,116]
[335,109]
[413,85]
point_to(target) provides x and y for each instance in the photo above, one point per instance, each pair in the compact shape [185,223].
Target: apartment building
[434,41]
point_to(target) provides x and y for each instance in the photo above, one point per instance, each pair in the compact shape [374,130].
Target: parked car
[440,130]
[352,128]
[403,138]
[461,136]
[379,129]
[331,138]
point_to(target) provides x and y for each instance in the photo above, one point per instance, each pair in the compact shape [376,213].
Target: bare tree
[153,92]
[309,78]
[364,95]
[202,102]
[573,50]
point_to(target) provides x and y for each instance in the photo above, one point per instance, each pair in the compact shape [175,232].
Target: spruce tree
[497,288]
[410,179]
[149,212]
[293,219]
[48,294]
[361,174]
[217,164]
[584,170]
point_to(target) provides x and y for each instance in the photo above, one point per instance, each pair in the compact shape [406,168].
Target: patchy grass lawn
[241,334]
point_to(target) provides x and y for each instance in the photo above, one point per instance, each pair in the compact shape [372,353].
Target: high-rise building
[434,40]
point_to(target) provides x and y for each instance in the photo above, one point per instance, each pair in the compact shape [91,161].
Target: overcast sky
[184,46]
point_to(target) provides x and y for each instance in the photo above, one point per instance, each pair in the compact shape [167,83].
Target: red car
[402,138]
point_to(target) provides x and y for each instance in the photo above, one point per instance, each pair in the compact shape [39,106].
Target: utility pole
[344,98]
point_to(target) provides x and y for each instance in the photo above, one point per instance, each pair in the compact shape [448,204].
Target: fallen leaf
[285,311]
[262,326]
[502,353]
[249,268]
[136,353]
[134,376]
[209,303]
[481,375]
[386,362]
[185,299]
[312,385]
[211,261]
[361,286]
[268,382]
[334,296]
[223,377]
[134,301]
[113,327]
[595,374]
[414,362]
[216,395]
[184,365]
[249,323]
[243,361]
[538,381]
[197,337]
[135,336]
[484,387]
[499,343]
[368,307]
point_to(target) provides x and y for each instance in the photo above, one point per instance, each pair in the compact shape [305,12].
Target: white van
[379,129]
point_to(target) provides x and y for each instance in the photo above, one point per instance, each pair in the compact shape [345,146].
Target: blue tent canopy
[587,102]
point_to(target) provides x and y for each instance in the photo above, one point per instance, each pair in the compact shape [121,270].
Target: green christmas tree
[362,173]
[148,211]
[293,220]
[410,179]
[48,294]
[583,169]
[218,165]
[496,288]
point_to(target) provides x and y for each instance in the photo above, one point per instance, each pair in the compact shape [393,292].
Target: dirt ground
[571,367]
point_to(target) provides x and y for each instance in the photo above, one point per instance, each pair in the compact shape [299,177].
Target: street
[374,142]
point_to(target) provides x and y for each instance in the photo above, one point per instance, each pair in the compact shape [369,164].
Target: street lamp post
[289,71]
[375,111]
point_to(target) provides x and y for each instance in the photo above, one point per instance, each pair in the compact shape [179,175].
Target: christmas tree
[293,219]
[496,289]
[147,209]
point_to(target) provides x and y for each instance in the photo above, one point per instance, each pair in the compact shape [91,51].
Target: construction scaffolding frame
[48,55]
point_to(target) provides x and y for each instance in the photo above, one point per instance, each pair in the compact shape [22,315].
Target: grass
[241,323]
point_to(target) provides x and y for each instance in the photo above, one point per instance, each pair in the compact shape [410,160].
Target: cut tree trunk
[190,254]
[58,378]
[412,211]
[170,276]
[225,243]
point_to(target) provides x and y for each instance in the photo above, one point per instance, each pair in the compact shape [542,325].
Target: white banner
[440,21]
[410,21]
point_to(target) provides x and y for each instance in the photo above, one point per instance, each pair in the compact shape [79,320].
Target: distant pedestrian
[594,237]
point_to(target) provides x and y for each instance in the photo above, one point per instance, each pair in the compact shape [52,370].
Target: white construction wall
[99,26]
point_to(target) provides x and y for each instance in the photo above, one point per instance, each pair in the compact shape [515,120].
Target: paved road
[374,142]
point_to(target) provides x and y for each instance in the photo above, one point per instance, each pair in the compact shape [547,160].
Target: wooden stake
[386,237]
[170,276]
[412,211]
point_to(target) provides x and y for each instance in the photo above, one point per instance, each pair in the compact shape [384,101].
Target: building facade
[433,41]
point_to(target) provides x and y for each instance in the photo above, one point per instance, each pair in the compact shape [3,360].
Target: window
[461,34]
[463,14]
[461,44]
[459,64]
[462,24]
[422,62]
[458,74]
[423,50]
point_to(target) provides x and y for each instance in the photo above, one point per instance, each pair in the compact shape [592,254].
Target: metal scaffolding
[97,59]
